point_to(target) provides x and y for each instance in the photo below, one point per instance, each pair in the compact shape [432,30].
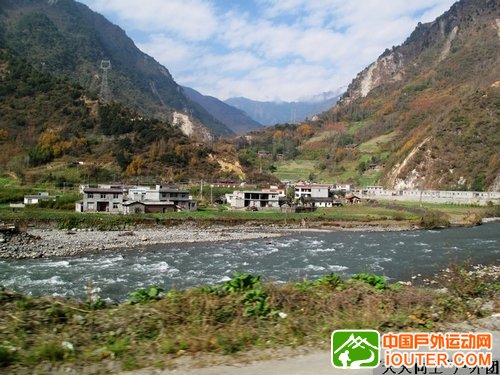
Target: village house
[344,188]
[166,195]
[135,199]
[37,198]
[257,199]
[317,195]
[274,190]
[141,207]
[99,199]
[310,191]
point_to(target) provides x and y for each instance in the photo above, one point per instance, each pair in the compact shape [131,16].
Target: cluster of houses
[313,195]
[125,199]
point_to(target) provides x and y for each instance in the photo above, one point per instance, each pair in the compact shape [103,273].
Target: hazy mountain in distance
[235,119]
[270,113]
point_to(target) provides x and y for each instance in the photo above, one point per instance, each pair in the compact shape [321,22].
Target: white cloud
[170,52]
[189,19]
[272,49]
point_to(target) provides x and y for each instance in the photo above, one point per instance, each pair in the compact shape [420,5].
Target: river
[397,255]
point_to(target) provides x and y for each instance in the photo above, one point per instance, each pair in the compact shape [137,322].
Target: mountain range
[235,119]
[271,113]
[425,114]
[68,39]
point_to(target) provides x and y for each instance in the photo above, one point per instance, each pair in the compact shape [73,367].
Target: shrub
[332,280]
[378,282]
[240,282]
[255,300]
[434,219]
[465,283]
[51,351]
[145,295]
[256,303]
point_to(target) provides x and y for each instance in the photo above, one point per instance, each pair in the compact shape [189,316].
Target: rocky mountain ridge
[439,94]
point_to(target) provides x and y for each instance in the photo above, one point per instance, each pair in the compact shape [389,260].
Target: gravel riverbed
[38,243]
[49,242]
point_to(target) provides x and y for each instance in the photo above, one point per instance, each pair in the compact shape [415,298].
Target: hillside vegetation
[424,115]
[68,39]
[51,130]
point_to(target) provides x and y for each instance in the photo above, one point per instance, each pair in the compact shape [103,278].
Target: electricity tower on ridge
[105,93]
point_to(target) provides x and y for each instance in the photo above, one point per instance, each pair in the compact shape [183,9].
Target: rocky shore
[38,243]
[50,242]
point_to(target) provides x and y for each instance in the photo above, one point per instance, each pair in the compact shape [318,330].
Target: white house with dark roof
[101,200]
[135,199]
[37,198]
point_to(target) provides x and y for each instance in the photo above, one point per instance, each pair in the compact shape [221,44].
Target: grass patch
[294,170]
[369,178]
[373,145]
[100,221]
[356,126]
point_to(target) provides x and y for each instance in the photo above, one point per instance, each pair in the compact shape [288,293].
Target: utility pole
[211,195]
[201,190]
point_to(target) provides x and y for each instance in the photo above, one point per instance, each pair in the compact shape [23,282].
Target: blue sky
[267,49]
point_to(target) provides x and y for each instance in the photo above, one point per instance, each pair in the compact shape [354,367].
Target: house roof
[313,185]
[149,203]
[39,196]
[100,190]
[173,190]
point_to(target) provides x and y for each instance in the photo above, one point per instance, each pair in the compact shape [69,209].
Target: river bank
[50,242]
[66,336]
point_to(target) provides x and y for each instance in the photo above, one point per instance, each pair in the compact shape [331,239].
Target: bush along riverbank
[153,329]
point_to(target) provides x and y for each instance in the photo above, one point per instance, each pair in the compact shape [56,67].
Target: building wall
[92,201]
[312,191]
[259,199]
[435,196]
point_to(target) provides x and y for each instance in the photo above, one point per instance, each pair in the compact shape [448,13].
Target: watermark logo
[355,349]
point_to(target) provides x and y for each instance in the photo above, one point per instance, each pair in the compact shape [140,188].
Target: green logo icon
[355,349]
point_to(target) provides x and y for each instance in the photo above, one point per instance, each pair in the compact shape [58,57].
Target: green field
[293,170]
[68,219]
[373,145]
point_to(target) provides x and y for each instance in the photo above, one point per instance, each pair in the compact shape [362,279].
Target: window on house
[90,206]
[115,206]
[90,195]
[163,195]
[103,196]
[115,196]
